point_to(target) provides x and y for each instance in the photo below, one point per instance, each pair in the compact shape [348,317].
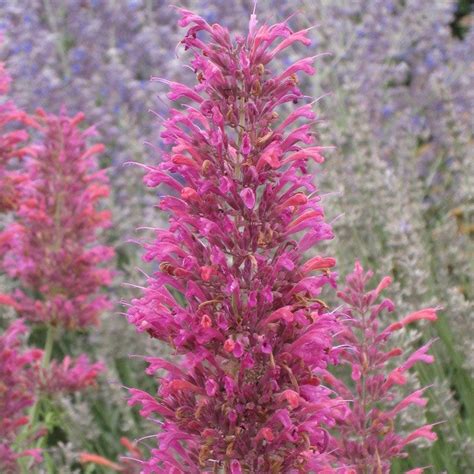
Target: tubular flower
[233,295]
[52,246]
[126,465]
[367,437]
[18,376]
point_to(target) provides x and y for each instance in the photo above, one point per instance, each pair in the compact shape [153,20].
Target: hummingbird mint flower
[234,296]
[69,375]
[51,249]
[18,376]
[367,436]
[51,244]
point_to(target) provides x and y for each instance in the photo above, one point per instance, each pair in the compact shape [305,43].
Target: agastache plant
[52,243]
[367,436]
[53,254]
[234,296]
[18,377]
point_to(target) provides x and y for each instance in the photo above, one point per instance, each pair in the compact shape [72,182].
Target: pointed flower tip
[418,470]
[248,197]
[85,458]
[428,314]
[384,283]
[318,263]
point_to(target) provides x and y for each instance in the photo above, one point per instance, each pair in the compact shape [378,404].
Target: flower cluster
[400,118]
[11,141]
[234,295]
[52,253]
[18,377]
[69,375]
[52,248]
[367,437]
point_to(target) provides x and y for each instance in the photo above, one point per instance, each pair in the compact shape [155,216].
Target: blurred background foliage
[397,101]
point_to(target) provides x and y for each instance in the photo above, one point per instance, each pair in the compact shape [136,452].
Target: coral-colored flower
[18,378]
[85,458]
[52,246]
[367,437]
[428,313]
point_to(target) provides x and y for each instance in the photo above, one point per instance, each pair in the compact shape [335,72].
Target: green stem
[36,408]
[48,350]
[48,347]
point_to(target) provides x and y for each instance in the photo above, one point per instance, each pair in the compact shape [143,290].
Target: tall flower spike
[52,244]
[367,437]
[234,297]
[18,377]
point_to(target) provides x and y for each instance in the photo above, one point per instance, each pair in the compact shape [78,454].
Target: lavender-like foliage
[400,116]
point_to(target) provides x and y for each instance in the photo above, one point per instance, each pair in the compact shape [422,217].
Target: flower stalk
[234,296]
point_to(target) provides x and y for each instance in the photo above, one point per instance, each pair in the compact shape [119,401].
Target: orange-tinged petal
[100,460]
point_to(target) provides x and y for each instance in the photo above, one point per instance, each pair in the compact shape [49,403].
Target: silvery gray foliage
[63,455]
[447,409]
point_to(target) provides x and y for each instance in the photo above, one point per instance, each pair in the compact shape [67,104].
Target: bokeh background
[396,100]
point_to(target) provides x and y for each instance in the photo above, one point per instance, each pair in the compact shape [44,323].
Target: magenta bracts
[234,296]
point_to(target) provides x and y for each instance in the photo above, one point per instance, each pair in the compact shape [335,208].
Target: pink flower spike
[53,249]
[19,377]
[366,352]
[231,296]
